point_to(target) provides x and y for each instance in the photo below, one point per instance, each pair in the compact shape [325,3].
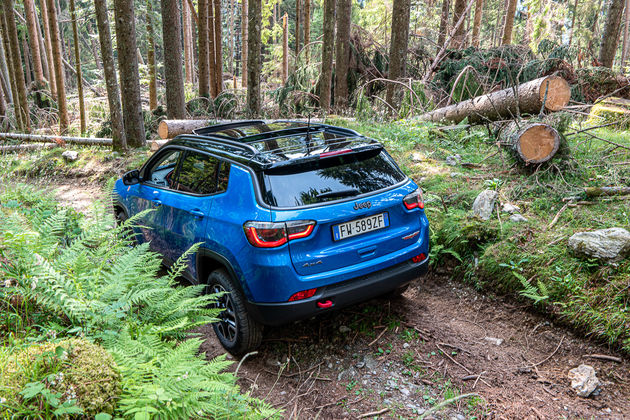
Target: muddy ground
[401,357]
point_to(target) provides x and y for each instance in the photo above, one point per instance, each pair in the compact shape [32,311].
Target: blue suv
[295,220]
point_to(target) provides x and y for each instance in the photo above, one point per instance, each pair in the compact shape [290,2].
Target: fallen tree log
[592,192]
[530,142]
[167,129]
[551,93]
[56,139]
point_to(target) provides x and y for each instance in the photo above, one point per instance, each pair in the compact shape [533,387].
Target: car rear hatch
[356,202]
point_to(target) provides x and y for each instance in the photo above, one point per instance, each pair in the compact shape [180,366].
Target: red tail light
[271,235]
[419,258]
[304,294]
[414,200]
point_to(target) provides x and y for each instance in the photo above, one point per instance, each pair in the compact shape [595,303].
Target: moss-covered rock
[610,111]
[76,369]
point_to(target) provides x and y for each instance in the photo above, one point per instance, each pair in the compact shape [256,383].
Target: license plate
[360,226]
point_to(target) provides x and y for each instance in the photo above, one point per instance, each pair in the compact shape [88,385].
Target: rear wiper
[342,193]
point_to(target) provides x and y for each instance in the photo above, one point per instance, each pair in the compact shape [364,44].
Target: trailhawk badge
[364,205]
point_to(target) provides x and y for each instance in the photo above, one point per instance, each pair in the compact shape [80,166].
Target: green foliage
[98,286]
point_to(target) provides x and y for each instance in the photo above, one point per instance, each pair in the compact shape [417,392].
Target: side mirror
[131,177]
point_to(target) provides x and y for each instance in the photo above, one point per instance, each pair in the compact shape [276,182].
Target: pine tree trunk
[42,49]
[218,46]
[399,43]
[60,78]
[186,21]
[151,58]
[575,7]
[4,69]
[111,83]
[212,59]
[342,53]
[477,23]
[530,142]
[508,22]
[18,74]
[298,19]
[11,69]
[254,59]
[124,13]
[307,28]
[26,60]
[3,109]
[244,46]
[610,37]
[33,33]
[285,49]
[460,33]
[625,48]
[446,5]
[52,75]
[231,37]
[328,52]
[171,34]
[77,59]
[202,38]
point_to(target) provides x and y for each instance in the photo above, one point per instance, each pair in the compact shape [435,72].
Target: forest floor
[442,339]
[463,329]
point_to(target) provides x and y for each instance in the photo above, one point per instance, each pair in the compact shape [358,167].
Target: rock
[348,374]
[583,380]
[343,329]
[360,365]
[416,157]
[453,160]
[607,244]
[510,208]
[370,362]
[70,156]
[405,392]
[406,345]
[484,204]
[493,340]
[517,218]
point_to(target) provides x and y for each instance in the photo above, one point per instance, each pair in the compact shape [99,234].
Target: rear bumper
[340,295]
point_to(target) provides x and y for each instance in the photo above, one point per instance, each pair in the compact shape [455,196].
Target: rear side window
[202,174]
[344,176]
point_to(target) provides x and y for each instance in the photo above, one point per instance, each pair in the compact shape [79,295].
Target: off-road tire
[237,331]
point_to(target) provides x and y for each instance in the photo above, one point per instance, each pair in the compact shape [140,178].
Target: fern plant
[100,286]
[538,293]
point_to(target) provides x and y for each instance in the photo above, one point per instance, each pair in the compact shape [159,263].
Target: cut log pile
[531,142]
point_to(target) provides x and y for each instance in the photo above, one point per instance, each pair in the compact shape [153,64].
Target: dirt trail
[439,340]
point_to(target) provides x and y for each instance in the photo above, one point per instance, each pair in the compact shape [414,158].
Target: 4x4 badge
[364,205]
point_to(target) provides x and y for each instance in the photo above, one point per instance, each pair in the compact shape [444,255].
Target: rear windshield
[330,179]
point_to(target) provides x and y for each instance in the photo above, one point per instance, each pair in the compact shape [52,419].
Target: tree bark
[171,34]
[254,59]
[202,38]
[151,58]
[460,33]
[508,22]
[285,49]
[218,45]
[4,69]
[31,22]
[477,23]
[530,143]
[625,47]
[399,43]
[188,62]
[244,46]
[610,37]
[11,68]
[328,51]
[231,37]
[298,20]
[124,14]
[77,58]
[52,75]
[167,129]
[60,78]
[113,97]
[575,7]
[26,60]
[56,139]
[212,59]
[342,53]
[18,74]
[549,93]
[307,28]
[443,23]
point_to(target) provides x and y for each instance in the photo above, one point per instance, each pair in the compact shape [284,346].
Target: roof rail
[227,126]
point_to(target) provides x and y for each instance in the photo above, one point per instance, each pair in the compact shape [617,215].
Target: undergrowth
[66,276]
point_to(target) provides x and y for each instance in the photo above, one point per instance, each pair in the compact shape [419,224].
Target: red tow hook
[325,304]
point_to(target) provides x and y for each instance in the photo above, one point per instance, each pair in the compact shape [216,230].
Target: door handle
[197,213]
[157,202]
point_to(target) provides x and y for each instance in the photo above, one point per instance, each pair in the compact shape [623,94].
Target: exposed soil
[439,340]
